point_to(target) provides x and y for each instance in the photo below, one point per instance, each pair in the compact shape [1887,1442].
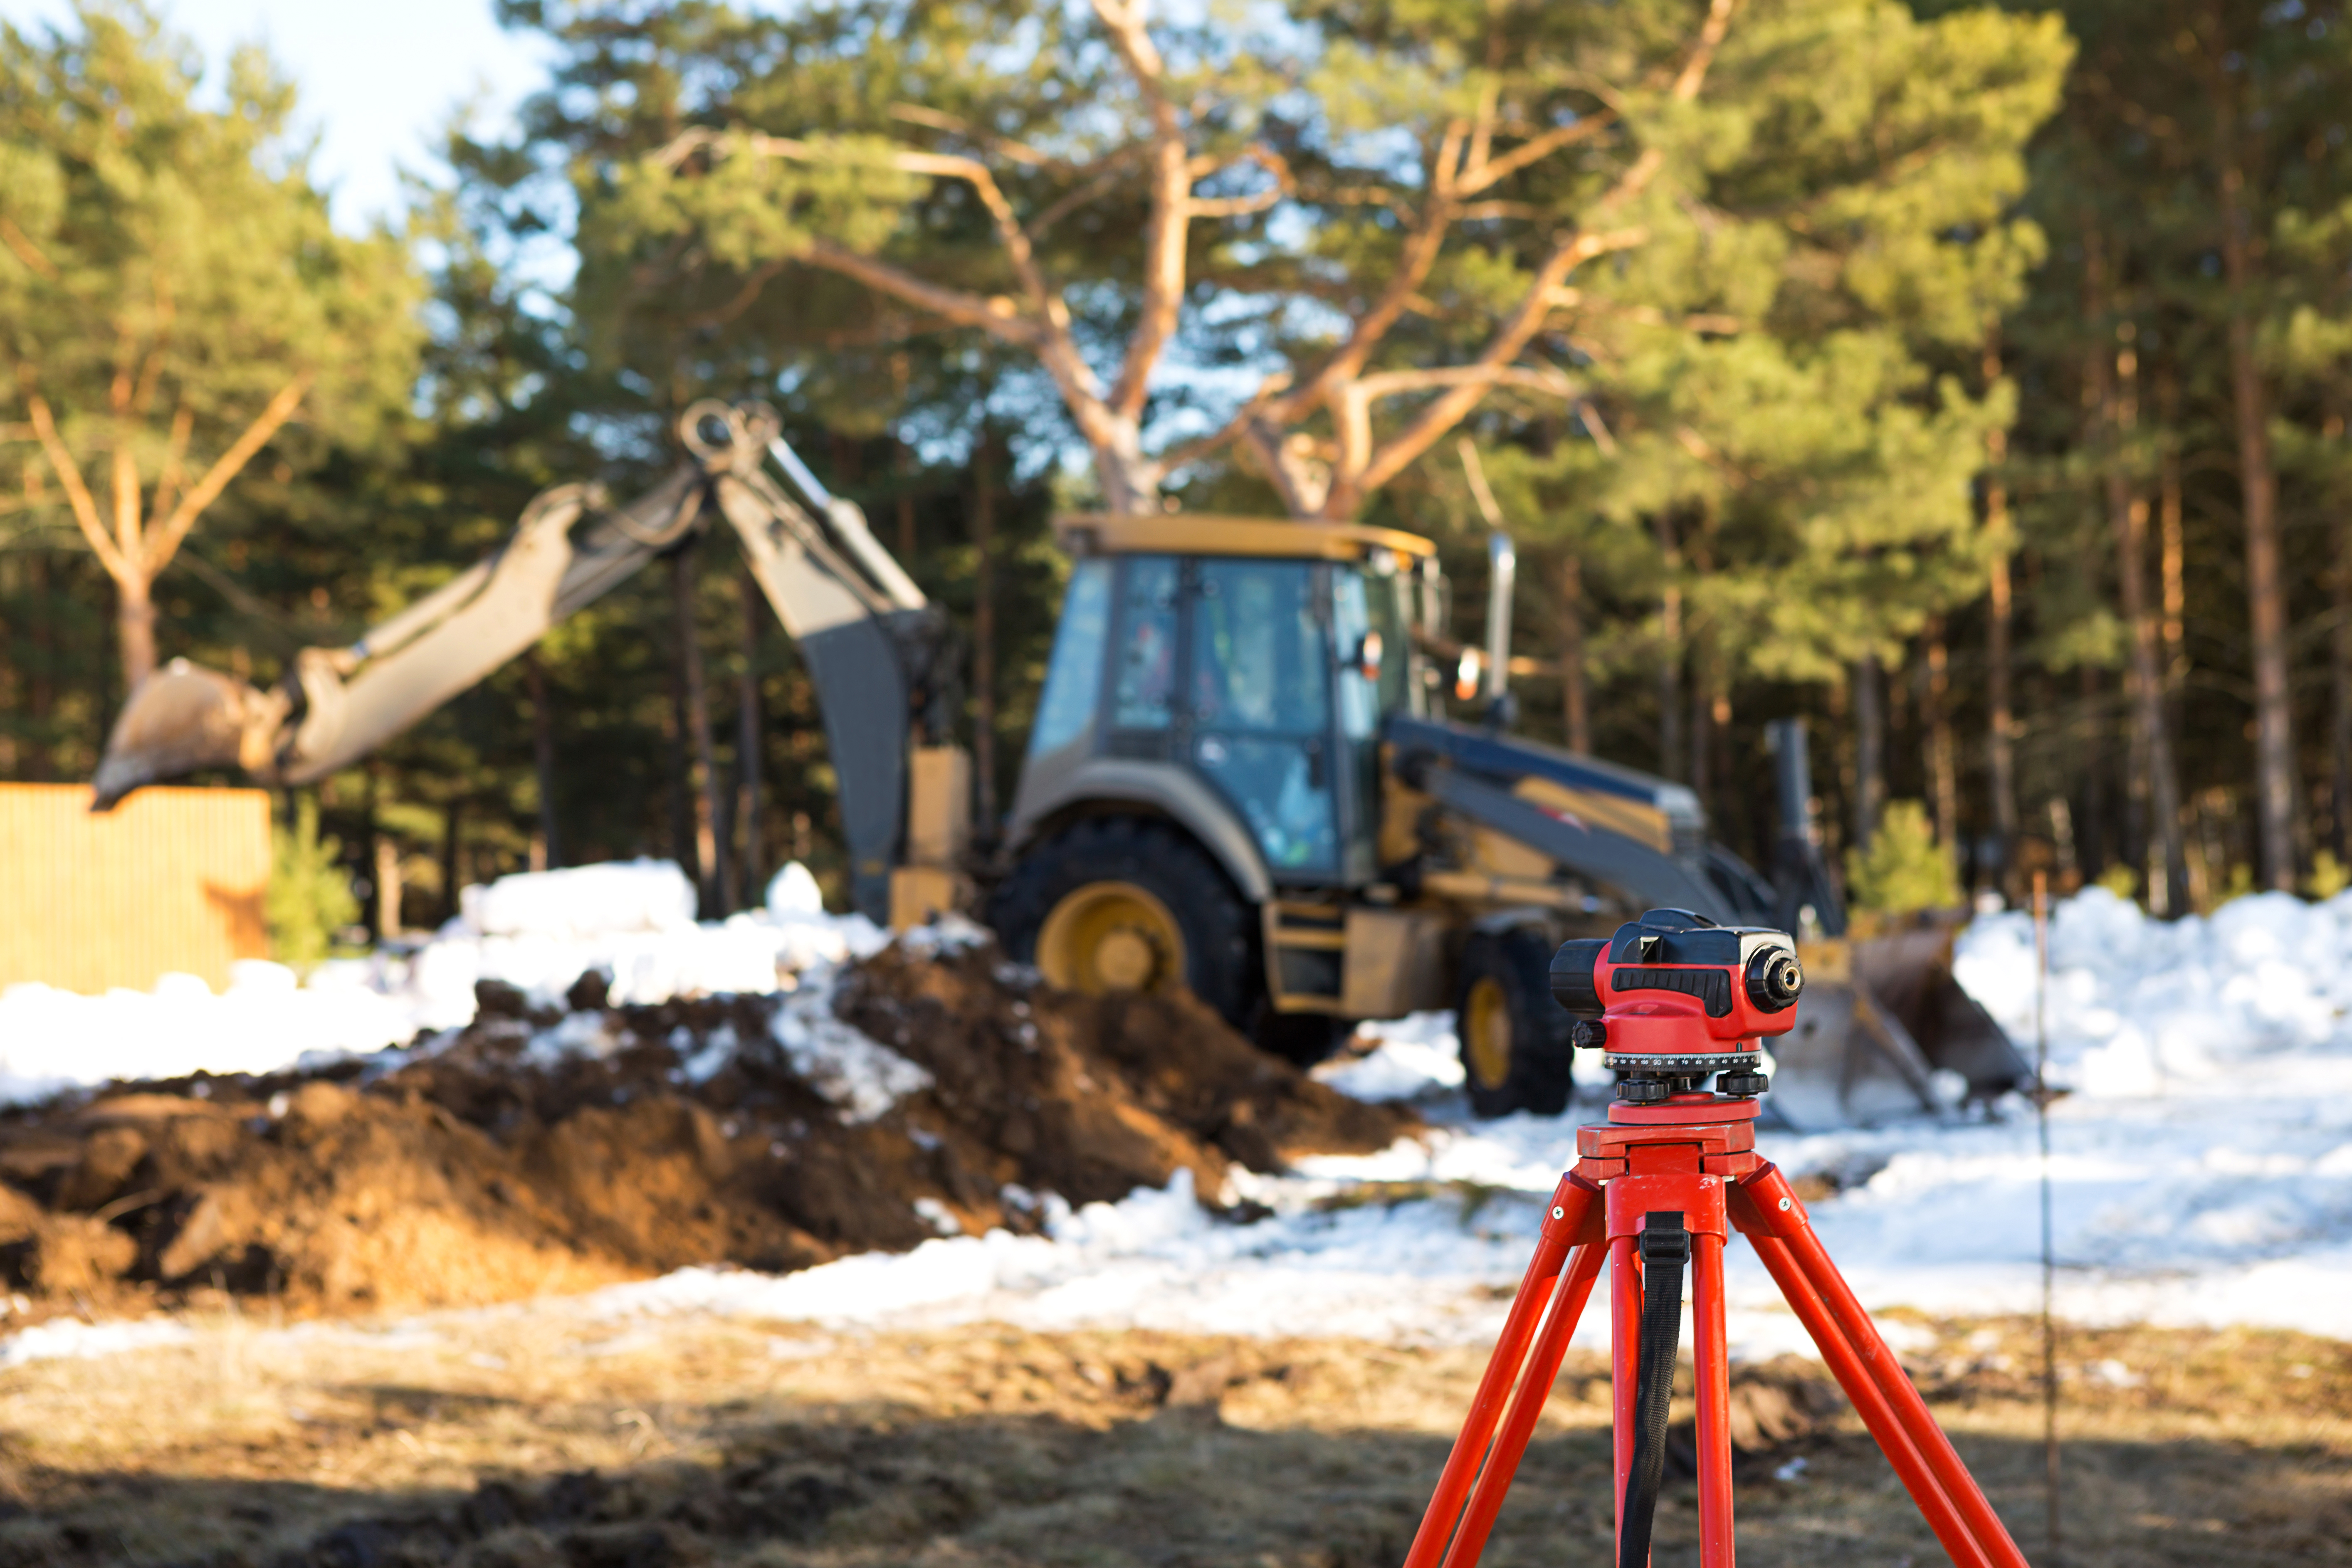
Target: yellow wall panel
[170,879]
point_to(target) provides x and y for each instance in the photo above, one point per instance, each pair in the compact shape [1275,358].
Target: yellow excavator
[1241,779]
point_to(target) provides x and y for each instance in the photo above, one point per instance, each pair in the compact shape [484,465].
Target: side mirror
[1368,656]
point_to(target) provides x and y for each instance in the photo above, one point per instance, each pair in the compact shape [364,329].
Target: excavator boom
[871,640]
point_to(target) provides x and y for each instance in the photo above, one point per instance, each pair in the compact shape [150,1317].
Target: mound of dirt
[556,1151]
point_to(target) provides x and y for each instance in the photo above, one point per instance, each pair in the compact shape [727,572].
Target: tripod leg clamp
[1665,1249]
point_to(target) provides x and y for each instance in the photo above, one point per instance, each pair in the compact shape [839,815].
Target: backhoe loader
[1240,779]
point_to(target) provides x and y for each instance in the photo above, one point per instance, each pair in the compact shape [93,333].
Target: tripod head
[1673,998]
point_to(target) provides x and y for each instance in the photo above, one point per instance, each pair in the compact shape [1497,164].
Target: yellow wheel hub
[1486,1033]
[1111,936]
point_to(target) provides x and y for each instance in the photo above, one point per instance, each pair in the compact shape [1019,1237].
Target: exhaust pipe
[1502,574]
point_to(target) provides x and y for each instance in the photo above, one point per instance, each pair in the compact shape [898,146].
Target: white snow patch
[539,930]
[69,1338]
[1413,1057]
[857,1073]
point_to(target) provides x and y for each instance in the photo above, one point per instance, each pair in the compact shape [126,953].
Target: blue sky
[376,81]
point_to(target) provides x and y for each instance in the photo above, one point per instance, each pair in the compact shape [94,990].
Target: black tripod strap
[1665,1249]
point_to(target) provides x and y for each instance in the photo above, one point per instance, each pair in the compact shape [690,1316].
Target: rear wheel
[1515,1038]
[1121,903]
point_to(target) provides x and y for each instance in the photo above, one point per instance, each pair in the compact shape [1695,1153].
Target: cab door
[1258,707]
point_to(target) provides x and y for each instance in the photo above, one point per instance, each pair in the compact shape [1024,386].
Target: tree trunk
[2152,841]
[2175,583]
[680,774]
[2339,689]
[542,753]
[983,635]
[1943,763]
[1575,694]
[453,817]
[2275,791]
[2001,732]
[1703,737]
[2000,727]
[1670,651]
[1869,748]
[2091,822]
[906,506]
[713,875]
[41,679]
[752,860]
[135,627]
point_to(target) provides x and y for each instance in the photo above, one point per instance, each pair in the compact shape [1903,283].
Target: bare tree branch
[1445,411]
[1004,146]
[996,314]
[1396,383]
[1265,158]
[1234,429]
[176,455]
[1535,150]
[1165,231]
[1289,471]
[78,496]
[20,244]
[1421,247]
[1476,472]
[1111,169]
[164,543]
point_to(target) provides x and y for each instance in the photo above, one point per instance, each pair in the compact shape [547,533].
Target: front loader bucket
[1910,972]
[1880,1017]
[181,719]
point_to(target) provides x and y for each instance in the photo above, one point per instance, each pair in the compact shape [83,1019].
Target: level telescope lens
[1774,979]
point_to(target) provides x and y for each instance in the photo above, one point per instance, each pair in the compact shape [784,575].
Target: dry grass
[540,1435]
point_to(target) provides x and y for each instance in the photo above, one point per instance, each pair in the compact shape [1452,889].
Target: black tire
[1220,930]
[1521,1058]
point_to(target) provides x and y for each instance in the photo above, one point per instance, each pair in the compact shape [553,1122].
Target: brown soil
[473,1175]
[542,1438]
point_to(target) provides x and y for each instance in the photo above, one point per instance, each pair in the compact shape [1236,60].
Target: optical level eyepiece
[1775,980]
[1572,984]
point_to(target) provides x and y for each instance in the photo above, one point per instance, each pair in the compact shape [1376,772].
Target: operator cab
[1246,662]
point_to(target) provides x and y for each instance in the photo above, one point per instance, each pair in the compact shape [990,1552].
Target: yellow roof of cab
[1205,534]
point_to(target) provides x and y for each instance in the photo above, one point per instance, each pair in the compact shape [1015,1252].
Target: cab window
[1074,675]
[1145,669]
[1260,694]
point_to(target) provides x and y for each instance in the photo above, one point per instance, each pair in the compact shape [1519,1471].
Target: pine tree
[173,305]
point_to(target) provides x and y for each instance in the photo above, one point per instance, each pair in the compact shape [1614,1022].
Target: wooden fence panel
[170,879]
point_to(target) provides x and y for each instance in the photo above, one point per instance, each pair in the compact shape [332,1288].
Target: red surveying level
[1675,999]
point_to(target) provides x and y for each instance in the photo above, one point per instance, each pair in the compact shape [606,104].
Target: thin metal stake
[2048,1245]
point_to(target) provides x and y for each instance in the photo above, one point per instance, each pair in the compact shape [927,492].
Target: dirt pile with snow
[546,1147]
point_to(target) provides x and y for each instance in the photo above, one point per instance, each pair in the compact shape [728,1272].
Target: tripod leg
[1955,1506]
[1570,1204]
[1527,1405]
[1712,1372]
[1625,1296]
[1871,1405]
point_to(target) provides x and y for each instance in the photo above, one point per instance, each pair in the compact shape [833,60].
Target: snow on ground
[2202,1173]
[632,920]
[2202,1159]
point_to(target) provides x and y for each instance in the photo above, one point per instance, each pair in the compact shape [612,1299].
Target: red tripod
[1664,1183]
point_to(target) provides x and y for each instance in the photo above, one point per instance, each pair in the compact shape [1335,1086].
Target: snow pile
[538,931]
[584,901]
[1414,1058]
[2139,1007]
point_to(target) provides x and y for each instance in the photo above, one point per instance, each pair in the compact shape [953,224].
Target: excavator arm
[875,648]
